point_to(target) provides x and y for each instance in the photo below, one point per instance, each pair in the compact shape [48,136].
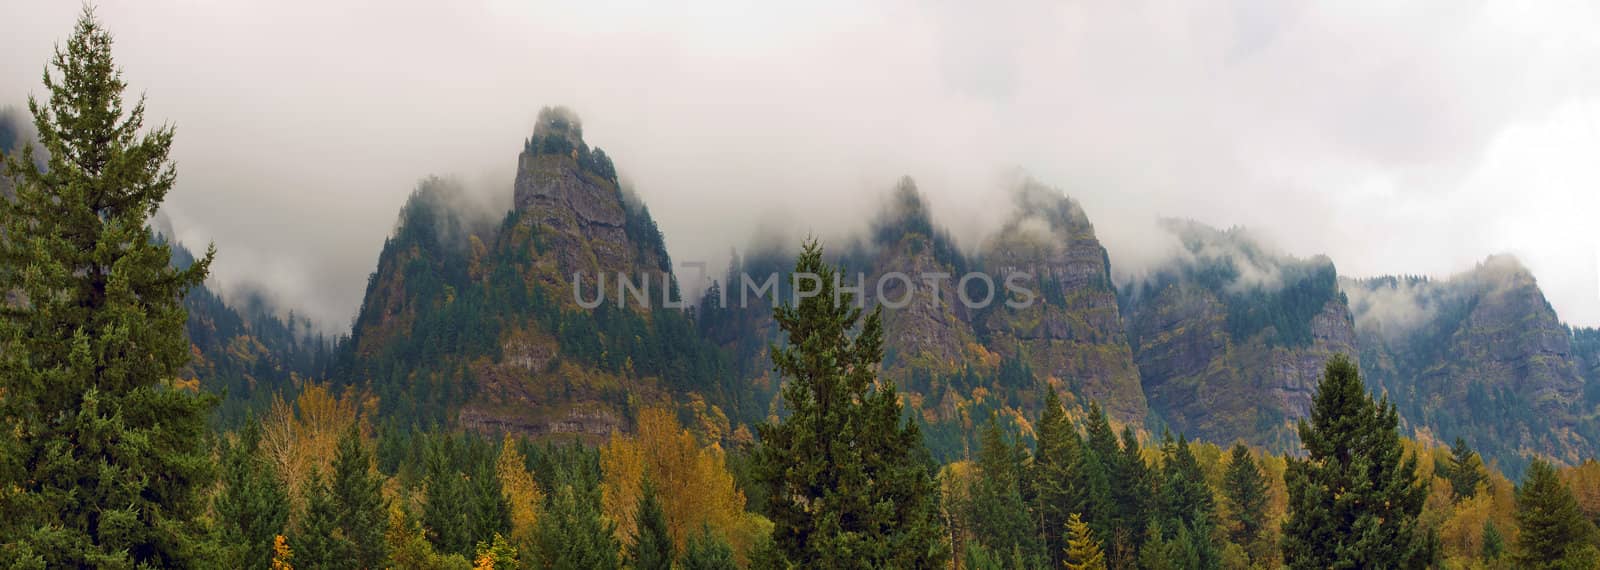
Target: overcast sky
[1415,139]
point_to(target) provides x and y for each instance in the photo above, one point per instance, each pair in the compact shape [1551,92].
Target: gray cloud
[1414,139]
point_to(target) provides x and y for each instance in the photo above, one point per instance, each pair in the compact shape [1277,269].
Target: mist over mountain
[1322,131]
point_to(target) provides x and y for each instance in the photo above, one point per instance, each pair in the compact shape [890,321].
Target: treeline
[107,459]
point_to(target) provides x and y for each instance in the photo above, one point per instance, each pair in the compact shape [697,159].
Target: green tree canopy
[849,482]
[104,458]
[1354,498]
[1554,532]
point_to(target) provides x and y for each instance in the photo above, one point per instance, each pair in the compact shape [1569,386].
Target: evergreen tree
[1054,478]
[489,512]
[1494,544]
[707,551]
[975,556]
[849,482]
[999,517]
[1464,470]
[573,536]
[1083,549]
[1354,500]
[766,556]
[253,506]
[103,461]
[318,543]
[1246,490]
[652,548]
[1098,464]
[446,504]
[1134,489]
[1554,530]
[362,512]
[1187,506]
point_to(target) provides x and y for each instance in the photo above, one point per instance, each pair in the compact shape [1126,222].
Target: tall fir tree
[447,501]
[1555,533]
[849,482]
[999,517]
[573,536]
[318,543]
[103,457]
[361,512]
[1054,477]
[707,551]
[1187,507]
[1355,497]
[652,548]
[253,505]
[1245,488]
[1464,470]
[1134,489]
[1098,464]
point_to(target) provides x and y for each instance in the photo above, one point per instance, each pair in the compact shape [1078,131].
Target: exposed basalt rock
[1213,369]
[1480,355]
[1072,330]
[592,425]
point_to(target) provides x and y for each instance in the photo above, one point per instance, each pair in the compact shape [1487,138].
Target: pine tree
[1246,490]
[1494,544]
[362,512]
[1134,489]
[1083,550]
[1354,500]
[1187,506]
[1098,464]
[849,482]
[999,517]
[1464,470]
[253,506]
[572,536]
[318,543]
[446,509]
[766,556]
[1054,476]
[103,460]
[1553,528]
[707,551]
[652,547]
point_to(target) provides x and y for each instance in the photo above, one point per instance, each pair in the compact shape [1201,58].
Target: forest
[110,458]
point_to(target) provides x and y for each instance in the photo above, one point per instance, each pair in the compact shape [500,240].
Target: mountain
[1480,355]
[476,323]
[244,350]
[962,345]
[1073,333]
[1231,337]
[480,314]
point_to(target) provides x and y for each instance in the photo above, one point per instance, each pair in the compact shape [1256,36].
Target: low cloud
[1412,138]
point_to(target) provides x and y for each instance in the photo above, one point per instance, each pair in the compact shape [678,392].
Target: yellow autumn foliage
[692,481]
[522,492]
[304,435]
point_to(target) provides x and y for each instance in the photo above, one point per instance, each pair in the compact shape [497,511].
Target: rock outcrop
[1231,339]
[1480,355]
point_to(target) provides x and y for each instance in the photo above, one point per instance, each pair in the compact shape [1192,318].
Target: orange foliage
[522,492]
[281,555]
[305,435]
[693,483]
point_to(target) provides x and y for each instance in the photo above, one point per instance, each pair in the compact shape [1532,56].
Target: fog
[1416,139]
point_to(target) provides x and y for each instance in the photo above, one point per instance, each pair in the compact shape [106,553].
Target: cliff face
[1073,331]
[477,319]
[1480,355]
[1231,340]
